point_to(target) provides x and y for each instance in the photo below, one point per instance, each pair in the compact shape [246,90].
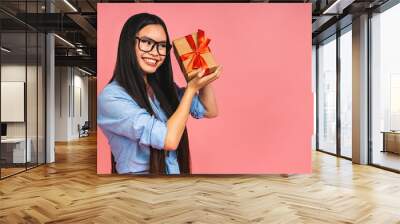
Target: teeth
[151,61]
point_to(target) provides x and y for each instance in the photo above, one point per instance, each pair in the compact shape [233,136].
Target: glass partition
[31,98]
[14,154]
[22,88]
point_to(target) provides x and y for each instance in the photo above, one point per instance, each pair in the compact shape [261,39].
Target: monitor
[3,129]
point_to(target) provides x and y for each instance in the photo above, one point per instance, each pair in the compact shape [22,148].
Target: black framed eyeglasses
[146,45]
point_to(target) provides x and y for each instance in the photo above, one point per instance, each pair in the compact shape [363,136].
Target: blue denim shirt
[130,129]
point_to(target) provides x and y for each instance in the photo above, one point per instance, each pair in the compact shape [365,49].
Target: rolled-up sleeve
[197,109]
[121,115]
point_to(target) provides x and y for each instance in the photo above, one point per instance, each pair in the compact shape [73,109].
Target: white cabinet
[17,147]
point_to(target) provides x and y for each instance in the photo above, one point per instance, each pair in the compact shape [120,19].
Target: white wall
[71,94]
[12,73]
[61,103]
[81,102]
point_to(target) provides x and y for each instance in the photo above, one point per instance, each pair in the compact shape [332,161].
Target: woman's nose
[154,52]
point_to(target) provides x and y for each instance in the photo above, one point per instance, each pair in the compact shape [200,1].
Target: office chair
[84,130]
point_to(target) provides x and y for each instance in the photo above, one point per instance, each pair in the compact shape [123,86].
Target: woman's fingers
[211,77]
[217,72]
[197,73]
[192,73]
[199,80]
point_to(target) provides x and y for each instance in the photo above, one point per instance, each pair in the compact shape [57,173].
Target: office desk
[13,150]
[391,141]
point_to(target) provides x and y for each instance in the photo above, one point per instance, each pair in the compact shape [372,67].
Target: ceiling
[76,21]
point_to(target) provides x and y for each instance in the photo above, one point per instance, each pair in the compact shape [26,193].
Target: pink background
[264,92]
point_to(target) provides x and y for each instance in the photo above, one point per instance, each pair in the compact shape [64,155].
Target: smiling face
[150,61]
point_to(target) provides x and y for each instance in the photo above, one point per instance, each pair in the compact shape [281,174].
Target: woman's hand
[176,123]
[198,81]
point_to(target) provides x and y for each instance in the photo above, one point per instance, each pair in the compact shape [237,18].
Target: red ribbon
[195,56]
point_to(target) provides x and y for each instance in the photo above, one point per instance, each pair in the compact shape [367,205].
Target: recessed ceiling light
[64,40]
[5,50]
[337,7]
[84,71]
[70,5]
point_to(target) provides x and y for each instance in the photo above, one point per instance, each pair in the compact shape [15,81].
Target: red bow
[196,59]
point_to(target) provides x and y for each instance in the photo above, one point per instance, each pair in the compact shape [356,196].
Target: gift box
[192,52]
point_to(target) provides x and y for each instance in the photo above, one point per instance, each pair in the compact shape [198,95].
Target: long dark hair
[128,75]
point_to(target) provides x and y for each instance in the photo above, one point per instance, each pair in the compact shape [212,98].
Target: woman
[142,111]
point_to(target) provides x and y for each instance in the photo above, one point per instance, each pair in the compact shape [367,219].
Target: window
[385,88]
[327,95]
[346,92]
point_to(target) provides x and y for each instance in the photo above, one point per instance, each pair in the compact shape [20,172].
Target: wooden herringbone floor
[69,191]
